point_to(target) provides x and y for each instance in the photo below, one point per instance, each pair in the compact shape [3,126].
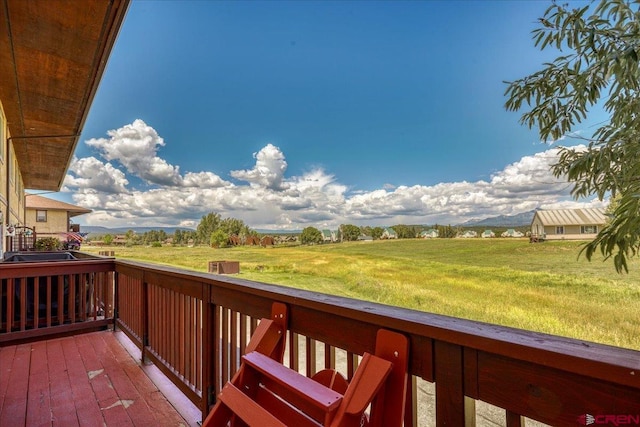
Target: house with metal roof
[487,234]
[432,233]
[389,233]
[512,233]
[567,224]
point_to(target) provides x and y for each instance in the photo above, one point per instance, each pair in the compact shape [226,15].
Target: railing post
[116,299]
[144,318]
[209,356]
[449,375]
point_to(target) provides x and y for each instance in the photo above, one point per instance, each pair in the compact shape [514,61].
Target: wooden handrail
[194,326]
[524,372]
[50,298]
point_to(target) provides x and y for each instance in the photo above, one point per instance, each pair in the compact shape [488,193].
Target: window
[560,229]
[41,216]
[588,229]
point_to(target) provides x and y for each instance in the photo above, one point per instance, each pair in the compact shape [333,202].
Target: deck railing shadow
[193,326]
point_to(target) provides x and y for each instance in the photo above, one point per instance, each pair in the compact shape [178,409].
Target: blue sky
[288,114]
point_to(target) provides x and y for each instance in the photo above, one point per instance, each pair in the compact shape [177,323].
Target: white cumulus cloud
[265,197]
[268,171]
[135,146]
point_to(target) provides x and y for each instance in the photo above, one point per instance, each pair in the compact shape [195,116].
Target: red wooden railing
[196,325]
[193,326]
[40,299]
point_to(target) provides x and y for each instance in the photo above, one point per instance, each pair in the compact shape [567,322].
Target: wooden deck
[86,380]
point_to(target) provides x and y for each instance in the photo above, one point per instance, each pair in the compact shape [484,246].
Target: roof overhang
[52,56]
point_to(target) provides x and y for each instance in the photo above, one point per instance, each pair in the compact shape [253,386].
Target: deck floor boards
[83,380]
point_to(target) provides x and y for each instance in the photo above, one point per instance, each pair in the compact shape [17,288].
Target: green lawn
[543,287]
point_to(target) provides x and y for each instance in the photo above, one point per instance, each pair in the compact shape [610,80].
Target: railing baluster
[244,332]
[329,356]
[22,283]
[36,302]
[234,361]
[225,346]
[49,314]
[72,298]
[188,345]
[61,304]
[294,351]
[217,347]
[352,364]
[411,404]
[450,404]
[10,306]
[514,420]
[310,347]
[208,382]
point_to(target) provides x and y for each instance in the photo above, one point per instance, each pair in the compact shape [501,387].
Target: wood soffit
[52,56]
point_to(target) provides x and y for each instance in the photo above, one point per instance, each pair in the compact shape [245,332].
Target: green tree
[447,232]
[376,232]
[219,239]
[350,232]
[310,235]
[107,239]
[178,238]
[208,224]
[233,226]
[403,231]
[600,47]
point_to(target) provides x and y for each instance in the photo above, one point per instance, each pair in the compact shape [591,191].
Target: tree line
[215,231]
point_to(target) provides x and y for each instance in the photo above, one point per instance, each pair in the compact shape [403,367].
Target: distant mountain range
[518,220]
[101,231]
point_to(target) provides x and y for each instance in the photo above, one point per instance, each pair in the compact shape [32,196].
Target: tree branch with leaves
[600,47]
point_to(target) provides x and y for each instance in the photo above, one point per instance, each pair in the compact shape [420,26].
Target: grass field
[542,287]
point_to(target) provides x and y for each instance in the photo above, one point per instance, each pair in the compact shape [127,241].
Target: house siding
[57,222]
[12,201]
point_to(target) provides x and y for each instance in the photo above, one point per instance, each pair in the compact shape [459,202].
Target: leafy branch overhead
[599,47]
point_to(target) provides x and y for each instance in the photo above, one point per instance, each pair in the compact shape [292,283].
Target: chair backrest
[266,393]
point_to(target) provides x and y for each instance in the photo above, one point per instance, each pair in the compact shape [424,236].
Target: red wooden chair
[265,393]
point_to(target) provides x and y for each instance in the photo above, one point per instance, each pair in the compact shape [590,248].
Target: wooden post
[209,353]
[450,402]
[144,318]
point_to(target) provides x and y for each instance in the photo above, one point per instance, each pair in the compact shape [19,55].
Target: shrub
[48,244]
[156,245]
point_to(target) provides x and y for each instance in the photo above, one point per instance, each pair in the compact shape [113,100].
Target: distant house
[267,241]
[567,224]
[429,234]
[51,218]
[512,233]
[487,233]
[389,233]
[329,236]
[469,234]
